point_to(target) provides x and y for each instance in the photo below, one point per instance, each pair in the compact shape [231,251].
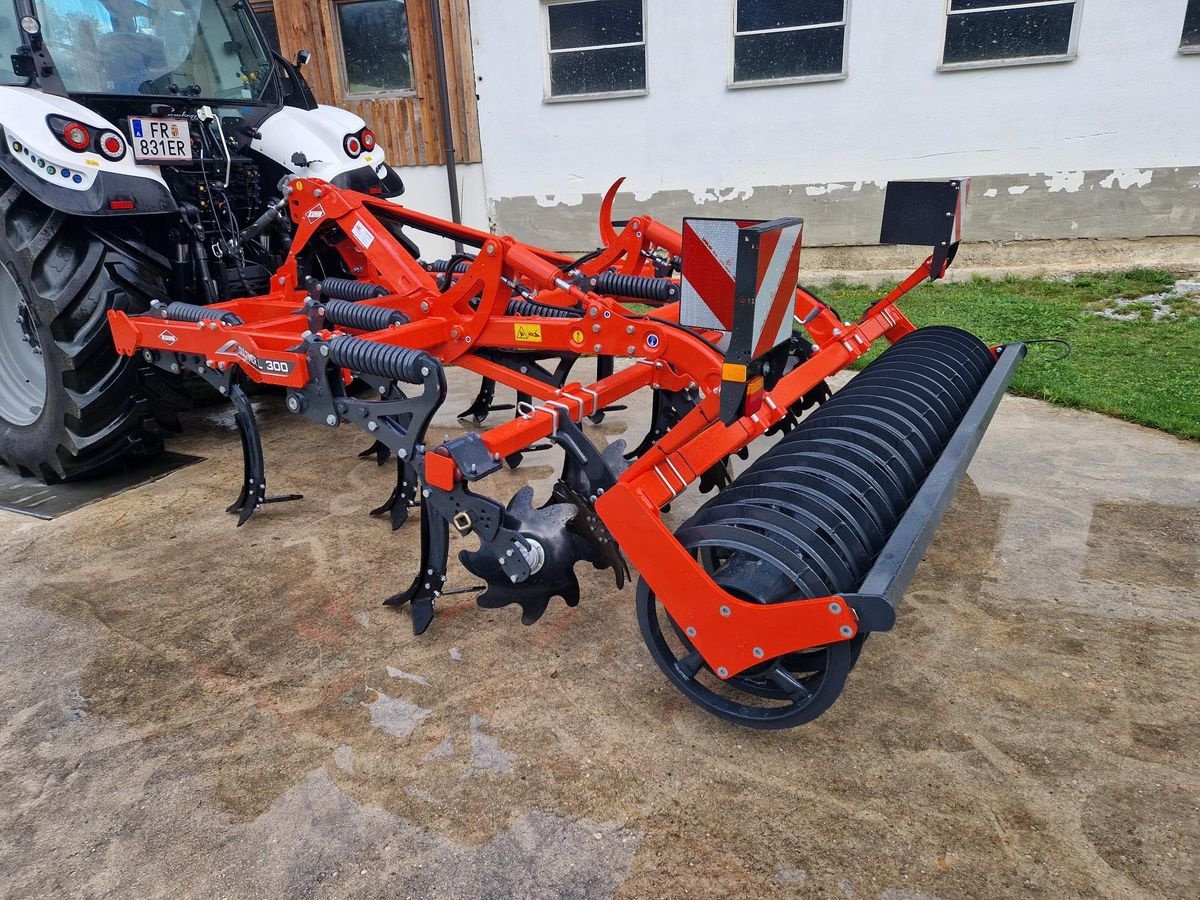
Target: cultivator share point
[758,605]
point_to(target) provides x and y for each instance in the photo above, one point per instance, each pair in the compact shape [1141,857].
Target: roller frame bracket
[881,591]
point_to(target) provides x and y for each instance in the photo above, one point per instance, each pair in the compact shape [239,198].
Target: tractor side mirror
[23,65]
[302,58]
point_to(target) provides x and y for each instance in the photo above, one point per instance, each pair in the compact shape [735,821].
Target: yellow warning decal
[528,334]
[577,336]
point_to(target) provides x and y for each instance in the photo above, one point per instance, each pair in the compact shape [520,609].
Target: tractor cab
[175,51]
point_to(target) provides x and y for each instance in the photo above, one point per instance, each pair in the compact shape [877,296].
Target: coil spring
[381,360]
[529,308]
[190,312]
[364,318]
[349,289]
[636,287]
[441,265]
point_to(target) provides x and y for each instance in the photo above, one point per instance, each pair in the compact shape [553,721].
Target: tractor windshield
[170,48]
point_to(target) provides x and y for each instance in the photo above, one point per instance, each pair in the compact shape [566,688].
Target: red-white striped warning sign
[741,276]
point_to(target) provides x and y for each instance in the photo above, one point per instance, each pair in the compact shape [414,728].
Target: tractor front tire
[70,406]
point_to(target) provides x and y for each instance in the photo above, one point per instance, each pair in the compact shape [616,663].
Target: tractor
[143,153]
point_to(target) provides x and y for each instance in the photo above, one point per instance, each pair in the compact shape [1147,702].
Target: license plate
[160,140]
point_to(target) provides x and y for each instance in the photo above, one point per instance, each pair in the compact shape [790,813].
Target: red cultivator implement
[758,605]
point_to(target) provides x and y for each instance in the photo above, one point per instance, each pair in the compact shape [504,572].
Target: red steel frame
[731,634]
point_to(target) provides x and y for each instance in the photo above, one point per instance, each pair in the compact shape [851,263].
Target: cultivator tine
[403,497]
[254,481]
[717,477]
[666,411]
[484,403]
[431,577]
[379,450]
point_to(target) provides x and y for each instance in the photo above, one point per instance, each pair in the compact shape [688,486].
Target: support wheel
[780,693]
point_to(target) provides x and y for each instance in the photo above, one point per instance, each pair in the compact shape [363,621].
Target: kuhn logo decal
[167,337]
[268,366]
[314,215]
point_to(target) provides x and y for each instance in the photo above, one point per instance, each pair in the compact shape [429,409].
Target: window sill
[611,95]
[1190,49]
[1007,63]
[380,95]
[778,82]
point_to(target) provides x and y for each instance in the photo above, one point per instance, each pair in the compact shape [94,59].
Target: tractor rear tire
[70,406]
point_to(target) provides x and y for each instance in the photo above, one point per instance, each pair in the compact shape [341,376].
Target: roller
[810,517]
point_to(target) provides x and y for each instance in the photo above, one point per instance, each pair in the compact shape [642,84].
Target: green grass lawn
[1145,371]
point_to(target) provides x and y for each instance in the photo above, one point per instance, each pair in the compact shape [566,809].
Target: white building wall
[1125,113]
[427,190]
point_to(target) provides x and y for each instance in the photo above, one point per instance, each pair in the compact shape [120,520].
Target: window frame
[1072,45]
[549,97]
[731,84]
[258,7]
[343,75]
[1188,49]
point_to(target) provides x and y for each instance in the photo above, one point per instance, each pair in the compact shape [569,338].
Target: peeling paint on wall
[1148,203]
[722,195]
[1127,178]
[1064,181]
[548,202]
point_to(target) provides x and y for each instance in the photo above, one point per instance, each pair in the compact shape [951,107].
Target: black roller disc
[852,467]
[973,368]
[716,544]
[839,496]
[859,484]
[913,456]
[944,408]
[956,337]
[940,374]
[885,478]
[878,449]
[893,427]
[801,537]
[846,537]
[825,500]
[804,695]
[975,356]
[910,404]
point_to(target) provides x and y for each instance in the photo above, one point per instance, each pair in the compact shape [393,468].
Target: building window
[1009,32]
[1191,28]
[265,14]
[376,51]
[784,41]
[596,48]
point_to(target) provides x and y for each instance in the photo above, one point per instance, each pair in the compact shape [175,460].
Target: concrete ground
[190,709]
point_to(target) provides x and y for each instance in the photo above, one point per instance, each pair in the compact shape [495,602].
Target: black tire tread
[73,271]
